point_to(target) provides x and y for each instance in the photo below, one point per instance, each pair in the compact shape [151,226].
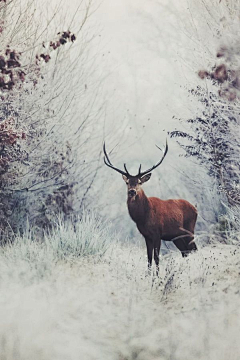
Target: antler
[140,174]
[108,163]
[154,166]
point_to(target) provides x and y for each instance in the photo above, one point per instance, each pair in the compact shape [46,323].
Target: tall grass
[88,236]
[80,294]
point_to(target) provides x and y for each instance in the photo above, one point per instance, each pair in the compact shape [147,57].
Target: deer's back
[169,215]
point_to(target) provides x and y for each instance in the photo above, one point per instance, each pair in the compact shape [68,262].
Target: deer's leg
[149,244]
[182,246]
[185,242]
[188,230]
[189,227]
[191,244]
[157,245]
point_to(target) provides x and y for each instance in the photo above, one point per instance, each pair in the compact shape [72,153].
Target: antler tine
[159,163]
[105,153]
[109,164]
[139,171]
[125,167]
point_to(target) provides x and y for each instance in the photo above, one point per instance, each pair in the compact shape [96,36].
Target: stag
[156,219]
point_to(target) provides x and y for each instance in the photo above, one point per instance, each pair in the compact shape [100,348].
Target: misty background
[151,53]
[73,267]
[126,73]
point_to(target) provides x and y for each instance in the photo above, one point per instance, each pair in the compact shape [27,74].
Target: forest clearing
[76,279]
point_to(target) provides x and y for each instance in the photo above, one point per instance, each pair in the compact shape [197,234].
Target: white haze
[151,53]
[147,56]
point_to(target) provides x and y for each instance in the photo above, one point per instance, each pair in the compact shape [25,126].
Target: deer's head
[134,182]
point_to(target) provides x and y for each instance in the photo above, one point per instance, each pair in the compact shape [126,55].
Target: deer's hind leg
[185,242]
[189,229]
[182,246]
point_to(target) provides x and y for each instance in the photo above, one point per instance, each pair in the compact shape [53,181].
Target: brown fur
[156,219]
[170,220]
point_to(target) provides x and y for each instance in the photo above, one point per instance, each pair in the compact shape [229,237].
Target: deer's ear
[125,178]
[145,178]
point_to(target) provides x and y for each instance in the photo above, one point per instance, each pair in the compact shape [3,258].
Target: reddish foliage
[225,77]
[8,133]
[46,58]
[11,73]
[220,73]
[203,74]
[8,139]
[64,37]
[8,75]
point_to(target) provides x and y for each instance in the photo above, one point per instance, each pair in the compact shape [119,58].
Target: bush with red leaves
[15,81]
[9,151]
[10,69]
[13,77]
[63,38]
[223,76]
[11,72]
[214,133]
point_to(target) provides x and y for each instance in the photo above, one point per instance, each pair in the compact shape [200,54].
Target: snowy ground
[104,307]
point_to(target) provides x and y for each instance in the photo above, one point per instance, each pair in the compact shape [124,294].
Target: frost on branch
[213,135]
[34,163]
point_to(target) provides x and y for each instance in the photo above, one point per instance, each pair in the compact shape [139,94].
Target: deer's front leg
[157,245]
[149,244]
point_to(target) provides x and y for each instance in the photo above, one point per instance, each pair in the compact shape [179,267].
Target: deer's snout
[132,193]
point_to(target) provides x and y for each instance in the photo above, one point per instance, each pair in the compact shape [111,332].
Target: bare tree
[49,102]
[211,136]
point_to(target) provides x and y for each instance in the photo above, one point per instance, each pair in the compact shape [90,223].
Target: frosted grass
[87,237]
[80,294]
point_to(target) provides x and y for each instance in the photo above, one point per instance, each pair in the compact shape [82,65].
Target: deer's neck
[139,208]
